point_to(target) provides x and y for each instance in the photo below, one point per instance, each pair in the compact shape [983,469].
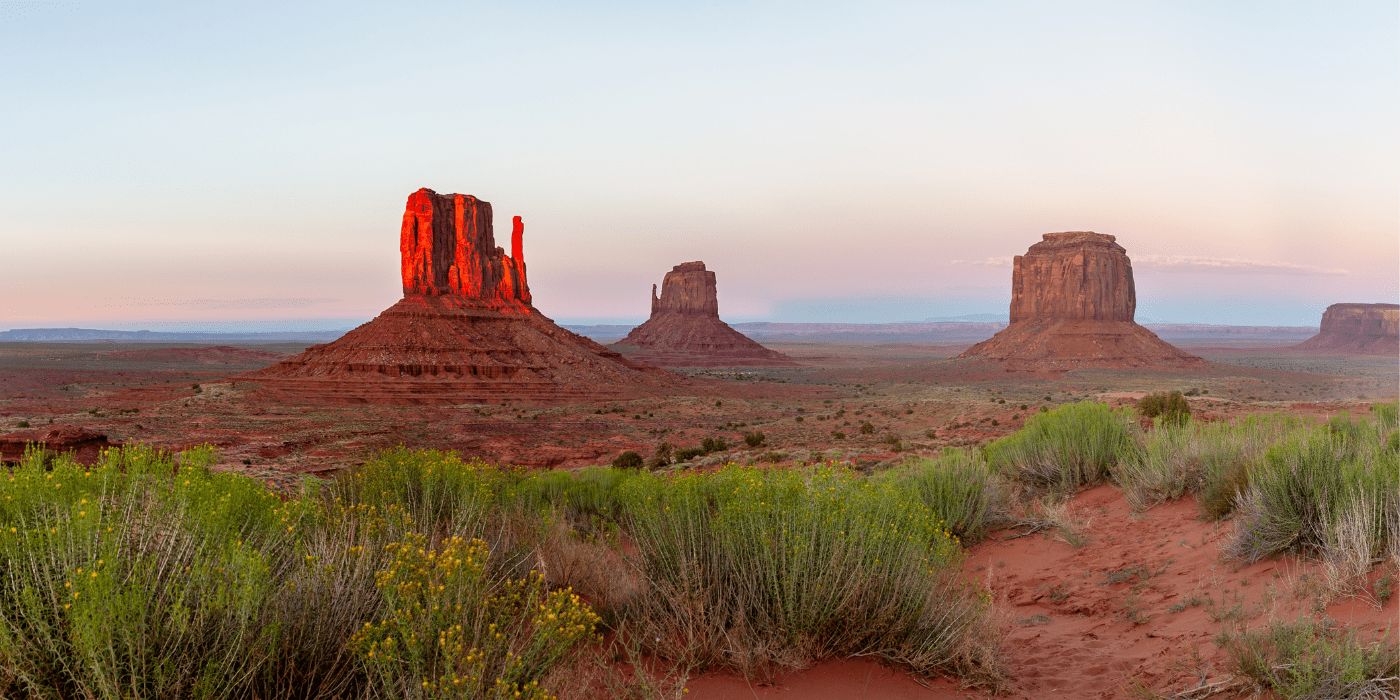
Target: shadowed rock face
[1364,329]
[1072,306]
[85,445]
[1077,275]
[685,329]
[464,332]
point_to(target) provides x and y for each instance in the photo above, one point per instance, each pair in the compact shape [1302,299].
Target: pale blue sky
[163,164]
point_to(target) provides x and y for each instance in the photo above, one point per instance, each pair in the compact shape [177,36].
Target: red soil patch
[1089,621]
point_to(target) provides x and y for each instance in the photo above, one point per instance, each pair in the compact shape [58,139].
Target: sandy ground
[1082,621]
[1138,602]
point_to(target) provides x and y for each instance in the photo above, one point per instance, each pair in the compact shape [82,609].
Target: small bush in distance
[714,445]
[753,439]
[685,454]
[628,460]
[867,429]
[661,457]
[1172,407]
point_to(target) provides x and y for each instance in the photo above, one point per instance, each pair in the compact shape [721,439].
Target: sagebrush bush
[449,631]
[1312,491]
[759,570]
[1211,460]
[1308,660]
[958,486]
[1074,445]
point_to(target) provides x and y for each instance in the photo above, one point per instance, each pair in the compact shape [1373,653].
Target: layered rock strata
[466,330]
[1357,329]
[1072,306]
[685,329]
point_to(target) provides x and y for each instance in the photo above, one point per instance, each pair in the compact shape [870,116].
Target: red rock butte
[685,329]
[464,332]
[1072,306]
[1357,329]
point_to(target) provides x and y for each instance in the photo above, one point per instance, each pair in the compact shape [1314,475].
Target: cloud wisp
[1003,261]
[1203,263]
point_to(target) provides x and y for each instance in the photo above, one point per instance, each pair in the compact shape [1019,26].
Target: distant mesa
[466,330]
[685,330]
[1357,329]
[1072,306]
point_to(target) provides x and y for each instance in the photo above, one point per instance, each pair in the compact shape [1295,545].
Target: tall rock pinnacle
[448,248]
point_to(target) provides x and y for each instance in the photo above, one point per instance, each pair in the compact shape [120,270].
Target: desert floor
[1082,621]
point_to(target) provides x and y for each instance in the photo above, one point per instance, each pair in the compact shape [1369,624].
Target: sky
[244,166]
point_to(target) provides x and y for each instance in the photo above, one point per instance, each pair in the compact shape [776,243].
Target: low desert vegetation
[420,575]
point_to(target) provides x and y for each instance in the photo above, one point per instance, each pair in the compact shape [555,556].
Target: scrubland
[422,575]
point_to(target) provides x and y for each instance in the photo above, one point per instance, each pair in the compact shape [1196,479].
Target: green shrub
[958,486]
[1171,407]
[135,578]
[449,631]
[759,570]
[1327,493]
[685,454]
[714,445]
[867,428]
[1074,445]
[628,460]
[661,457]
[1211,460]
[1306,659]
[753,439]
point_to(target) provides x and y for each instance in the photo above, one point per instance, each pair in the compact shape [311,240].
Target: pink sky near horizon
[163,164]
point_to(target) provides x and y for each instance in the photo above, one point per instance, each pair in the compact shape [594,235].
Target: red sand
[1084,645]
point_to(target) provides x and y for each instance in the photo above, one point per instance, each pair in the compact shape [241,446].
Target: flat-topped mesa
[1361,329]
[687,289]
[1363,320]
[448,247]
[1075,275]
[1072,305]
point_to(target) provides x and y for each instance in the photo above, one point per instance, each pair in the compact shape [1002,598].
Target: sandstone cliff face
[464,332]
[448,247]
[687,289]
[1076,275]
[1072,306]
[685,329]
[1363,329]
